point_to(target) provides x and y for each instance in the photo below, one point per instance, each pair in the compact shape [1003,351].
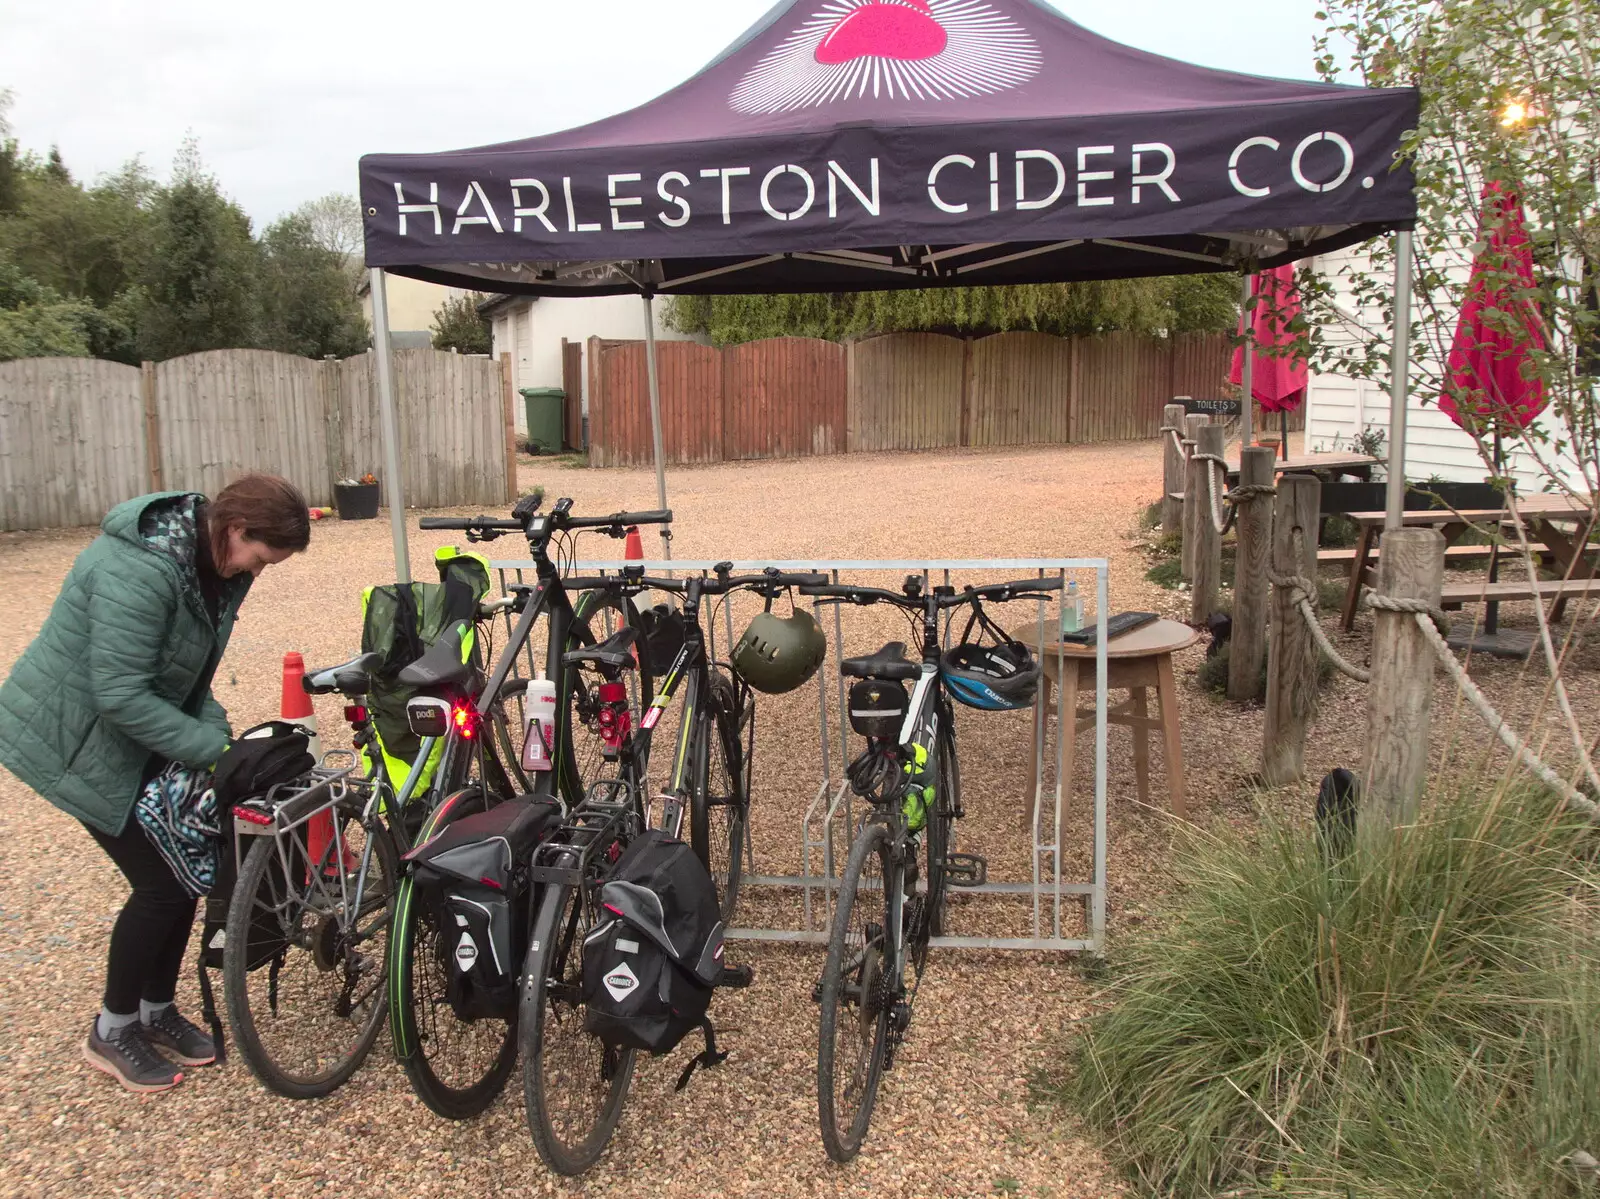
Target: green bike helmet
[779,653]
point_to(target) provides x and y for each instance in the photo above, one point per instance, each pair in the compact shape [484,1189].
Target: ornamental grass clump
[1420,1019]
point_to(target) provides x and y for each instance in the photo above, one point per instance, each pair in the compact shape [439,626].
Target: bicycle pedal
[816,992]
[965,870]
[736,977]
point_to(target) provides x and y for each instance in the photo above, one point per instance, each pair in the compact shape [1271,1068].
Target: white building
[531,329]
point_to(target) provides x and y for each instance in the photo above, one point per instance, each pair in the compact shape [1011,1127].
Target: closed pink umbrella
[1277,381]
[1490,387]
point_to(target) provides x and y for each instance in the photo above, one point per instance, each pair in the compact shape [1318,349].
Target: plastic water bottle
[1072,609]
[540,740]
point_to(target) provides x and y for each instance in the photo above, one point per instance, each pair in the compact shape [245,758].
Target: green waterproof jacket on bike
[122,668]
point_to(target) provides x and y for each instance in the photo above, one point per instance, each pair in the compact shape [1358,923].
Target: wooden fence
[794,396]
[80,435]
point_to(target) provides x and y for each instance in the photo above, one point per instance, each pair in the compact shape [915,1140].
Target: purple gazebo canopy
[854,144]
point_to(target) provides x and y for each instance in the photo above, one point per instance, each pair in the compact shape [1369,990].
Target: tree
[457,326]
[308,306]
[1152,306]
[1510,96]
[35,322]
[199,280]
[10,167]
[335,222]
[1510,99]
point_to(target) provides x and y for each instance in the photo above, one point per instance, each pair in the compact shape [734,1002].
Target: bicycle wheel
[573,1084]
[581,755]
[947,802]
[306,947]
[719,805]
[857,996]
[457,1067]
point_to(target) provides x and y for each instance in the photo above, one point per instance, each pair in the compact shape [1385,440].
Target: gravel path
[985,1029]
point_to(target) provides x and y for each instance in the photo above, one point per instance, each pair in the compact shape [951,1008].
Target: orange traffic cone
[633,547]
[296,708]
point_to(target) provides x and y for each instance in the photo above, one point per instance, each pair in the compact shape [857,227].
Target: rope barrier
[1177,438]
[1434,625]
[1493,719]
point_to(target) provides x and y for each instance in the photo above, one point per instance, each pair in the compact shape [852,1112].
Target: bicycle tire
[579,755]
[947,802]
[258,1028]
[719,804]
[853,991]
[552,996]
[467,1092]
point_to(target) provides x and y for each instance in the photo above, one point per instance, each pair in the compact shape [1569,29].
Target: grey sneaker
[173,1032]
[129,1057]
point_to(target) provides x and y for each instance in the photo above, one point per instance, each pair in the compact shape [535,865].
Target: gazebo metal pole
[1399,368]
[1247,374]
[655,417]
[389,427]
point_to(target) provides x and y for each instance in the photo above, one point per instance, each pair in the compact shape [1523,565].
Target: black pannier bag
[649,969]
[878,707]
[257,760]
[473,875]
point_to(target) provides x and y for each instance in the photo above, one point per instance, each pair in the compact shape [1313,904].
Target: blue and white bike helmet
[997,676]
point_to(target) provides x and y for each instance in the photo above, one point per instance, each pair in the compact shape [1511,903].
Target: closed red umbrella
[1490,387]
[1277,381]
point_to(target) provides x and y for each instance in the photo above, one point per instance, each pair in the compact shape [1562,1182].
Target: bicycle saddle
[349,678]
[890,662]
[441,665]
[615,652]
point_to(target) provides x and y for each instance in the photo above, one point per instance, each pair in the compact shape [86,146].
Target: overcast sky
[286,96]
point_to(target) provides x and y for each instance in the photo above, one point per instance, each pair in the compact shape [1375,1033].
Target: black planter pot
[356,501]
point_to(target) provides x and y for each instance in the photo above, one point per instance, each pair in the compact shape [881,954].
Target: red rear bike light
[354,713]
[252,816]
[465,720]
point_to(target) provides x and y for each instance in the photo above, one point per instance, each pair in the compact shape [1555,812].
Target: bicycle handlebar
[998,592]
[488,528]
[711,585]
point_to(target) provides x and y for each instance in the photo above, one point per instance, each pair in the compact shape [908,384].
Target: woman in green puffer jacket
[116,686]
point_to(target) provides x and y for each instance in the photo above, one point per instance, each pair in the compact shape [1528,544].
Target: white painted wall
[531,330]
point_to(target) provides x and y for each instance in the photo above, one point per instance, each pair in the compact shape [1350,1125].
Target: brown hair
[270,509]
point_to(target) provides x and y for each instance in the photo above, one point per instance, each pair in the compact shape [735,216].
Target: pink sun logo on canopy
[894,49]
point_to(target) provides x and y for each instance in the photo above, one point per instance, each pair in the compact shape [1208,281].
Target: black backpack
[474,876]
[650,969]
[258,759]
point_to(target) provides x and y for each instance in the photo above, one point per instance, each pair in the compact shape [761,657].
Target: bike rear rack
[591,829]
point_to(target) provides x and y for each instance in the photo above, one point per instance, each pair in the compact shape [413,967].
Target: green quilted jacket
[122,669]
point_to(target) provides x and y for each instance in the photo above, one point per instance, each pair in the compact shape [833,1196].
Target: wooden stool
[1135,662]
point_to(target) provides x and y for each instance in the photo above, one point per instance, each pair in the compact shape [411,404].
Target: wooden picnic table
[1542,514]
[1320,464]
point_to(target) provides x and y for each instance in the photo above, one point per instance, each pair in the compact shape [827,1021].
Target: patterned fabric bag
[178,812]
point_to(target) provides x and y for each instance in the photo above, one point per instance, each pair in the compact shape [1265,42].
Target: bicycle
[313,896]
[574,1085]
[458,1065]
[883,923]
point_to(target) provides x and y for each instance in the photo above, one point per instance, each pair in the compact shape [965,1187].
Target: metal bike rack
[832,811]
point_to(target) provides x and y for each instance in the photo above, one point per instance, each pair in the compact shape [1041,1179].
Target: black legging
[150,935]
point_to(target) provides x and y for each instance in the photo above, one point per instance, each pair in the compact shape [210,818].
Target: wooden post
[1172,470]
[599,429]
[964,432]
[1400,696]
[1208,542]
[1191,432]
[1248,640]
[509,405]
[152,426]
[1291,653]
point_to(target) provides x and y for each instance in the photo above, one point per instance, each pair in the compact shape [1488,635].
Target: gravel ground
[987,1028]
